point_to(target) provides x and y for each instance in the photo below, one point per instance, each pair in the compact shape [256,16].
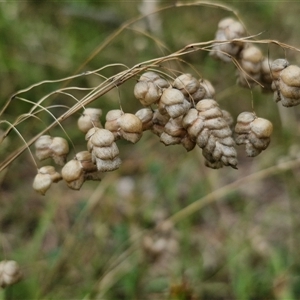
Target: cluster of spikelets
[10,273]
[277,75]
[102,154]
[181,111]
[253,132]
[229,45]
[286,82]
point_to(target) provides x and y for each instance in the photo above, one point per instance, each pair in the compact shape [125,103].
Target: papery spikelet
[250,60]
[78,170]
[90,118]
[253,132]
[44,179]
[173,103]
[289,86]
[148,89]
[131,127]
[146,116]
[57,148]
[73,174]
[10,273]
[60,150]
[207,126]
[42,147]
[228,29]
[103,149]
[85,159]
[100,137]
[187,84]
[173,132]
[159,121]
[112,124]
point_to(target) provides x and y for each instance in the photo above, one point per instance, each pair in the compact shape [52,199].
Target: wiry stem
[122,77]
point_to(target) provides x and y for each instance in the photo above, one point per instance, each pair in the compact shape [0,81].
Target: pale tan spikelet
[146,116]
[159,121]
[289,86]
[174,103]
[60,150]
[131,127]
[215,138]
[10,273]
[73,174]
[187,84]
[55,147]
[90,118]
[149,88]
[173,132]
[253,132]
[42,147]
[228,29]
[44,179]
[250,60]
[79,169]
[103,149]
[111,123]
[277,66]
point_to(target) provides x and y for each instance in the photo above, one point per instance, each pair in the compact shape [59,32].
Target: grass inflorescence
[150,221]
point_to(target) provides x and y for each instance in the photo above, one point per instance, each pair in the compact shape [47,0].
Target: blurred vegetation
[96,243]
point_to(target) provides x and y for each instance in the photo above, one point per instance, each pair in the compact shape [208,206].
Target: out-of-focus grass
[108,241]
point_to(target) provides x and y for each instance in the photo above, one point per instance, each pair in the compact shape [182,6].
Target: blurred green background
[107,240]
